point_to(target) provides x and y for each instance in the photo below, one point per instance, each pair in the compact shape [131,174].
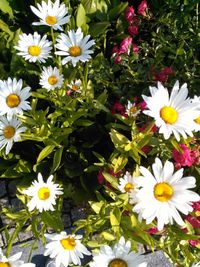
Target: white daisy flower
[173,114]
[196,264]
[119,255]
[44,194]
[196,100]
[74,46]
[13,99]
[51,14]
[13,261]
[34,48]
[75,86]
[164,194]
[126,183]
[9,132]
[51,78]
[65,249]
[131,109]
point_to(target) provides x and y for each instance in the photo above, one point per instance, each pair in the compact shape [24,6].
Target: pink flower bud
[117,59]
[115,50]
[182,158]
[125,44]
[129,13]
[135,49]
[142,8]
[133,30]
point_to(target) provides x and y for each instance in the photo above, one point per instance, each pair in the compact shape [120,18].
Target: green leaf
[89,6]
[52,220]
[111,179]
[5,7]
[5,28]
[119,140]
[57,159]
[116,11]
[80,16]
[120,163]
[45,152]
[99,28]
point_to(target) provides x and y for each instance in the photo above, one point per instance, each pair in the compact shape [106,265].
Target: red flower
[142,8]
[119,109]
[162,76]
[129,13]
[133,30]
[135,49]
[117,59]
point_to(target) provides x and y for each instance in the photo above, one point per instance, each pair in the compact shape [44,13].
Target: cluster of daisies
[73,46]
[13,101]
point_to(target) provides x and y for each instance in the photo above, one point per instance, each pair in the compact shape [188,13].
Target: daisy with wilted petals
[131,110]
[9,132]
[119,255]
[44,194]
[75,86]
[13,261]
[34,47]
[74,47]
[164,194]
[51,78]
[13,99]
[173,114]
[51,14]
[65,249]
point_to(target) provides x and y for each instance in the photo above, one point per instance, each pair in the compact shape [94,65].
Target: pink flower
[194,242]
[133,30]
[196,205]
[117,59]
[152,230]
[194,221]
[135,49]
[118,108]
[142,8]
[125,45]
[115,50]
[182,158]
[100,177]
[142,105]
[194,153]
[162,76]
[129,13]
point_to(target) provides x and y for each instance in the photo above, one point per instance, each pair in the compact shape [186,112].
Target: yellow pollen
[75,51]
[74,87]
[43,193]
[133,109]
[117,263]
[197,120]
[34,50]
[51,20]
[9,132]
[169,114]
[163,192]
[197,213]
[52,80]
[13,100]
[128,187]
[68,243]
[4,264]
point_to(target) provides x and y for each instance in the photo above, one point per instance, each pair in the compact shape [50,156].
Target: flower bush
[103,95]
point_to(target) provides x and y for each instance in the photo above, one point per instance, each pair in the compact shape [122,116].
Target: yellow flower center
[133,109]
[197,120]
[9,132]
[51,20]
[75,51]
[34,50]
[43,193]
[117,263]
[74,87]
[128,187]
[68,243]
[52,80]
[169,115]
[13,100]
[163,192]
[4,264]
